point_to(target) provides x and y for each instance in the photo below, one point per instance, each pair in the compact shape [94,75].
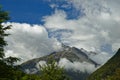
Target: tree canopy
[51,71]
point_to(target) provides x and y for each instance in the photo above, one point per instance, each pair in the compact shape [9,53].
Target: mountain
[109,71]
[71,54]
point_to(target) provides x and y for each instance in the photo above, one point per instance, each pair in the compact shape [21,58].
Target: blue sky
[27,11]
[90,24]
[32,12]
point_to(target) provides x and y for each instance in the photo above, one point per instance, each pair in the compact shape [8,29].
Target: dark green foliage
[31,77]
[9,73]
[11,60]
[3,18]
[77,75]
[109,71]
[51,71]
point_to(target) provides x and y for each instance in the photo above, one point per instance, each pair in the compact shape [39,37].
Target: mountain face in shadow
[72,54]
[109,71]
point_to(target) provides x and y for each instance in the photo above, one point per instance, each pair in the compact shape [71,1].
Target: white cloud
[29,41]
[83,33]
[99,25]
[55,20]
[41,63]
[101,58]
[77,66]
[53,5]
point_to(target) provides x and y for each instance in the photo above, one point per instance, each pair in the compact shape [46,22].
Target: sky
[40,26]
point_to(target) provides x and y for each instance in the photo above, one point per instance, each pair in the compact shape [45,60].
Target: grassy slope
[109,71]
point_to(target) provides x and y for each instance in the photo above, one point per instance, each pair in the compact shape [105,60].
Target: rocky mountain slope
[70,54]
[109,71]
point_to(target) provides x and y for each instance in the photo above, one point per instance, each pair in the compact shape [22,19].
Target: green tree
[51,71]
[11,60]
[30,77]
[7,72]
[3,18]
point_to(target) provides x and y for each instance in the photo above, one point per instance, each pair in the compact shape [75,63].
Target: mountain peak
[73,57]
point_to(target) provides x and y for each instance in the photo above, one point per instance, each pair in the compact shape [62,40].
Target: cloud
[104,15]
[41,63]
[101,58]
[75,66]
[29,41]
[83,32]
[98,27]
